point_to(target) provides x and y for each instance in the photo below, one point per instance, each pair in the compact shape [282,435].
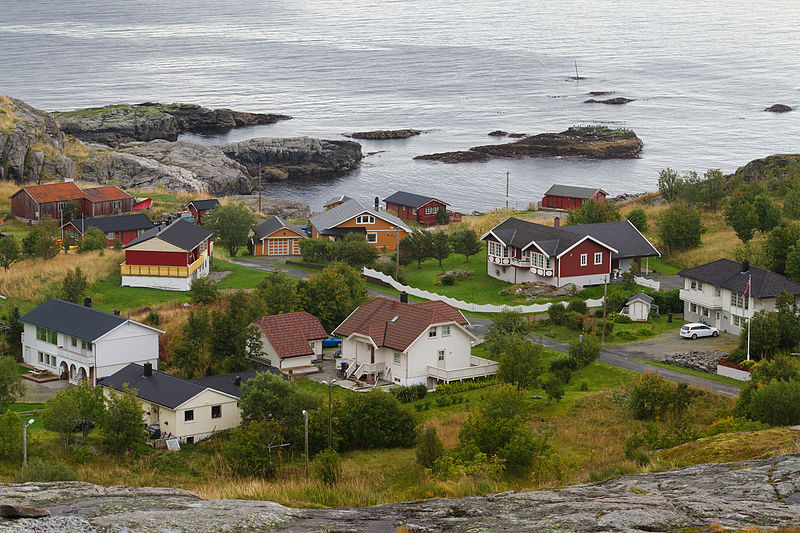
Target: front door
[440,362]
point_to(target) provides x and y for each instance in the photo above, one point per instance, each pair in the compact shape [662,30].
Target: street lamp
[305,416]
[25,443]
[330,423]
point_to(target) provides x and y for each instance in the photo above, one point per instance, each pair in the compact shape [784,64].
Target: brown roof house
[291,341]
[409,343]
[33,202]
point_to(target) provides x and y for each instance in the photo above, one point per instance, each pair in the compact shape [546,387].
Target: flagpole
[750,287]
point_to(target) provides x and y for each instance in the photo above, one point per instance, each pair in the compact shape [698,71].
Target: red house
[584,254]
[571,197]
[422,209]
[124,228]
[33,202]
[198,208]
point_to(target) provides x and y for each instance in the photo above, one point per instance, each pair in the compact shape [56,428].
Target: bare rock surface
[763,493]
[383,135]
[778,108]
[694,360]
[9,510]
[280,207]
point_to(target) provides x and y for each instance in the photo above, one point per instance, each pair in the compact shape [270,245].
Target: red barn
[124,228]
[107,200]
[422,209]
[571,197]
[33,202]
[198,208]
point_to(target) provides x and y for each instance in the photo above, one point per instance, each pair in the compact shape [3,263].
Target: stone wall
[702,361]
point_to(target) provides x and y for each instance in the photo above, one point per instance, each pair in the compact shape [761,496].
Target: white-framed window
[598,258]
[60,205]
[740,300]
[116,204]
[41,357]
[313,345]
[497,249]
[188,415]
[584,259]
[693,308]
[111,235]
[735,320]
[699,285]
[365,219]
[47,335]
[432,332]
[431,210]
[446,330]
[705,311]
[540,260]
[86,345]
[693,285]
[717,291]
[216,411]
[414,211]
[372,237]
[440,355]
[139,232]
[397,358]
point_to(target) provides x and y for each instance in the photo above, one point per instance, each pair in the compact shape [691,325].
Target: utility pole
[749,318]
[508,173]
[605,292]
[259,188]
[330,423]
[25,443]
[397,257]
[305,415]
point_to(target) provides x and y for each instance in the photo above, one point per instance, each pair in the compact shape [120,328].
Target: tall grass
[7,116]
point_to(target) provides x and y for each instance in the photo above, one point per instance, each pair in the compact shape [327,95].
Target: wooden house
[571,197]
[291,341]
[380,229]
[277,237]
[33,202]
[419,208]
[123,228]
[198,208]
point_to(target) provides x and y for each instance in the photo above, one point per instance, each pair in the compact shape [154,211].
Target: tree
[418,246]
[792,270]
[229,335]
[520,363]
[332,294]
[93,239]
[466,242]
[60,414]
[442,217]
[122,420]
[279,293]
[440,247]
[584,353]
[429,447]
[327,467]
[353,250]
[507,325]
[742,217]
[553,389]
[778,243]
[13,333]
[74,286]
[669,184]
[557,313]
[769,215]
[203,290]
[10,436]
[316,250]
[592,212]
[11,386]
[638,218]
[791,204]
[231,225]
[70,211]
[254,448]
[90,403]
[41,241]
[502,414]
[680,227]
[9,251]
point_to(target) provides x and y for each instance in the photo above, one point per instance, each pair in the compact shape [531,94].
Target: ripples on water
[700,73]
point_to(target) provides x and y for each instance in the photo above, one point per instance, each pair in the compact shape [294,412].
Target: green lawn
[621,334]
[715,377]
[27,407]
[240,277]
[108,295]
[660,264]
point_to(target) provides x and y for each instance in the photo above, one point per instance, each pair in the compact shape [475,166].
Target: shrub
[562,367]
[429,447]
[421,389]
[203,290]
[447,280]
[624,319]
[39,470]
[93,239]
[575,320]
[248,450]
[680,228]
[553,389]
[463,386]
[557,313]
[731,424]
[11,436]
[584,353]
[153,318]
[584,386]
[327,467]
[638,218]
[651,396]
[776,403]
[577,305]
[373,420]
[408,394]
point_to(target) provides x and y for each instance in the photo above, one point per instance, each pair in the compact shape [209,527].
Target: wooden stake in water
[576,71]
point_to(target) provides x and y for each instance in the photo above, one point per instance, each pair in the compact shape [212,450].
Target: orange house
[276,237]
[380,229]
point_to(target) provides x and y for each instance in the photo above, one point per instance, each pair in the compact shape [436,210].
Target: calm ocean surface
[701,73]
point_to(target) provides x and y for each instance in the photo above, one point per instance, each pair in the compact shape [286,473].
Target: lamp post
[305,416]
[330,423]
[25,443]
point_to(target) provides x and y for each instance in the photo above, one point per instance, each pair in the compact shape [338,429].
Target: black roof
[729,274]
[72,319]
[204,205]
[160,388]
[409,199]
[622,235]
[133,221]
[274,224]
[572,191]
[226,382]
[520,233]
[183,234]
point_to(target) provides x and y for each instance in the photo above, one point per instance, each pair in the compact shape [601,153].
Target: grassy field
[715,377]
[240,277]
[31,408]
[621,333]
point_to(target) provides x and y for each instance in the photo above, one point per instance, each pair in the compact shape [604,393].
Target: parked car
[331,342]
[692,331]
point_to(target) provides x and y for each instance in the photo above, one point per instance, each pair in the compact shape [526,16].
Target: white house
[186,409]
[409,343]
[77,342]
[291,341]
[637,308]
[717,293]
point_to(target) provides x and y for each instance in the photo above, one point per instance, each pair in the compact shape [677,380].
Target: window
[397,358]
[413,211]
[699,285]
[740,300]
[718,292]
[693,308]
[47,335]
[41,334]
[313,345]
[52,336]
[446,330]
[60,205]
[431,210]
[705,311]
[735,320]
[598,258]
[188,415]
[74,342]
[584,259]
[440,355]
[216,411]
[365,219]
[432,332]
[372,237]
[41,357]
[540,260]
[116,204]
[86,345]
[693,285]
[111,236]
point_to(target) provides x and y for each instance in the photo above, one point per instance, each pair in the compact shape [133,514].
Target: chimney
[237,381]
[377,203]
[556,222]
[148,370]
[87,302]
[116,312]
[745,266]
[404,297]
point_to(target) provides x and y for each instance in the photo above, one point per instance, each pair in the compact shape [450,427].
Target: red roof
[108,193]
[291,333]
[53,192]
[393,324]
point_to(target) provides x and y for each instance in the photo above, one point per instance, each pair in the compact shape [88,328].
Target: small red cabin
[422,209]
[122,228]
[571,197]
[199,208]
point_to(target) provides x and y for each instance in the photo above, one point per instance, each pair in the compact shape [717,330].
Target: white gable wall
[128,343]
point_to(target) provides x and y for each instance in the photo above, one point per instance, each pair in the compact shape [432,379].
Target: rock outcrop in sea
[597,142]
[383,135]
[619,100]
[779,108]
[763,493]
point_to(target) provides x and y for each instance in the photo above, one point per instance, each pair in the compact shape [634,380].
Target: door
[440,359]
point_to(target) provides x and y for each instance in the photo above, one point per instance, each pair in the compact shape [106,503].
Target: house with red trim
[380,229]
[276,237]
[198,208]
[291,341]
[409,343]
[419,208]
[124,228]
[583,254]
[571,197]
[168,258]
[33,202]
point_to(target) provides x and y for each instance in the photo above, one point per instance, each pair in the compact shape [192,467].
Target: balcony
[497,260]
[162,271]
[77,355]
[479,368]
[700,298]
[522,263]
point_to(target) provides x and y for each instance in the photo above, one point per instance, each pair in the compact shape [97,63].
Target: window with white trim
[414,211]
[60,206]
[440,355]
[372,237]
[432,332]
[365,219]
[693,285]
[431,210]
[693,308]
[584,259]
[740,300]
[116,204]
[735,320]
[397,358]
[598,258]
[540,260]
[446,330]
[188,415]
[111,235]
[497,249]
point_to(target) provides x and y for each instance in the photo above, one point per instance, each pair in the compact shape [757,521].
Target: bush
[557,313]
[327,467]
[463,386]
[248,451]
[553,389]
[624,319]
[153,318]
[429,447]
[584,386]
[638,218]
[447,280]
[731,424]
[40,471]
[422,390]
[584,353]
[93,239]
[410,393]
[575,321]
[372,420]
[562,367]
[11,436]
[776,403]
[577,305]
[652,396]
[203,290]
[680,228]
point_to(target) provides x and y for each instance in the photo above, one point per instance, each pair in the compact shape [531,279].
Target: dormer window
[432,332]
[365,219]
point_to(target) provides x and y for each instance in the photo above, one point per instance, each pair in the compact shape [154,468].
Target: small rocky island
[778,108]
[597,142]
[619,100]
[383,135]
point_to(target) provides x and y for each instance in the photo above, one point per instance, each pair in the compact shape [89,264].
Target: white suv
[692,331]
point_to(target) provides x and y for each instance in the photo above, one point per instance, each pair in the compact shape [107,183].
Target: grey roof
[227,382]
[181,233]
[160,388]
[410,199]
[72,319]
[728,274]
[622,235]
[204,205]
[349,209]
[274,224]
[641,296]
[133,221]
[573,191]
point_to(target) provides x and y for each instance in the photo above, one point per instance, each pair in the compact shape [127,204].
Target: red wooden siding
[571,261]
[569,202]
[429,219]
[138,257]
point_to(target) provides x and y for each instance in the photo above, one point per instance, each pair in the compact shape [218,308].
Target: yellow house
[382,230]
[188,410]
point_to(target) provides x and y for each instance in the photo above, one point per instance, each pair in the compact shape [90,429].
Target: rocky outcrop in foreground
[383,135]
[763,493]
[596,142]
[116,124]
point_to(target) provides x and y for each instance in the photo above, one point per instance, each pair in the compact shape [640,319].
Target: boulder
[695,360]
[599,93]
[10,510]
[778,108]
[299,158]
[382,135]
[498,133]
[612,101]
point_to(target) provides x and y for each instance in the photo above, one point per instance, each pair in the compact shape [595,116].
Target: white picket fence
[647,282]
[465,306]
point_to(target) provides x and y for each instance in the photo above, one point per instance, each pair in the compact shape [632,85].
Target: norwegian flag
[749,279]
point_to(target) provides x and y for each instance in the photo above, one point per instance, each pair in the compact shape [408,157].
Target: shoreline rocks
[619,100]
[383,135]
[596,142]
[778,108]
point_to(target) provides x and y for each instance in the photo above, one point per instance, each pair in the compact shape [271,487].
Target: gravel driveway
[654,349]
